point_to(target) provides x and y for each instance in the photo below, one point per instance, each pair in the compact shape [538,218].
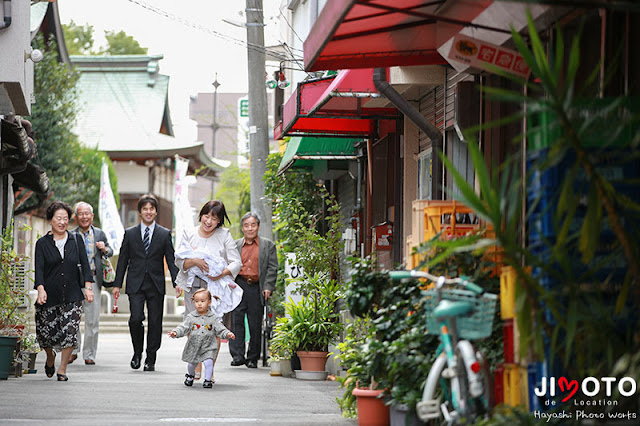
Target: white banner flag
[108,212]
[182,212]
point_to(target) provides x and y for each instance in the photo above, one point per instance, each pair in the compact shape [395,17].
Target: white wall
[301,15]
[163,183]
[16,74]
[132,178]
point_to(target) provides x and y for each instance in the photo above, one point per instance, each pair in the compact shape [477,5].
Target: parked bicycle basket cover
[478,325]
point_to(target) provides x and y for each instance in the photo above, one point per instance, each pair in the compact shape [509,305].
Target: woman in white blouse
[209,237]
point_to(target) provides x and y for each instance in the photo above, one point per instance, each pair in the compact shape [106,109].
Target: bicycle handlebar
[463,280]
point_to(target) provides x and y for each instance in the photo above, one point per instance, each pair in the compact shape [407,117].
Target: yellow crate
[436,221]
[417,220]
[515,381]
[429,217]
[408,248]
[507,293]
[494,253]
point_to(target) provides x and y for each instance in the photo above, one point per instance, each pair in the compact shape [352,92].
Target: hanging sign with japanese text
[479,54]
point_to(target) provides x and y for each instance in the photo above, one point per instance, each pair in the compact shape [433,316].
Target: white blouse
[62,242]
[220,243]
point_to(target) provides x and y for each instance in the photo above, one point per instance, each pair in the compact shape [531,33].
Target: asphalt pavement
[110,392]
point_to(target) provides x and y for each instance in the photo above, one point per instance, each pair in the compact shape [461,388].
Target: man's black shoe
[135,362]
[149,367]
[235,363]
[252,364]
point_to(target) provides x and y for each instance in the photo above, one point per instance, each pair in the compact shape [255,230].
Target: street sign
[244,107]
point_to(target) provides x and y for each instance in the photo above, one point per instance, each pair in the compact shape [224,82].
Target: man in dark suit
[144,249]
[96,245]
[258,280]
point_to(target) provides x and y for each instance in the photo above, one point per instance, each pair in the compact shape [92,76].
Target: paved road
[112,393]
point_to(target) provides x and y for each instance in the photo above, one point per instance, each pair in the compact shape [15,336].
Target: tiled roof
[120,107]
[123,105]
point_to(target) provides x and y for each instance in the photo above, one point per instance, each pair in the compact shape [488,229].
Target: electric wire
[239,42]
[290,26]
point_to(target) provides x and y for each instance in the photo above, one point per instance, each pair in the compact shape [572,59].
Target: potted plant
[281,348]
[12,297]
[357,354]
[361,350]
[315,321]
[29,349]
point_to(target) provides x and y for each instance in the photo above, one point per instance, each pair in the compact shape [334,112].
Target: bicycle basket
[478,325]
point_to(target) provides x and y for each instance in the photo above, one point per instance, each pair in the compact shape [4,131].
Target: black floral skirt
[57,326]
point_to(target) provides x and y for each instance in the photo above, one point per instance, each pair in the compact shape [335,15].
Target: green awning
[302,151]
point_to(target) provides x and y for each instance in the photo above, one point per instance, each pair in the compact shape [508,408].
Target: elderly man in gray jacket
[258,280]
[96,244]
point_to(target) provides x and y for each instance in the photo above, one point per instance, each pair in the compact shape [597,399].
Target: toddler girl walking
[202,326]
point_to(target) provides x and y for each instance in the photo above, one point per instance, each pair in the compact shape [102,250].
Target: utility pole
[214,125]
[258,120]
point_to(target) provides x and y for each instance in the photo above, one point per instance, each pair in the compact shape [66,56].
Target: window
[458,153]
[424,174]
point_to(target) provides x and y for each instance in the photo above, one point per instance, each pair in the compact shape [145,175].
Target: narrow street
[112,393]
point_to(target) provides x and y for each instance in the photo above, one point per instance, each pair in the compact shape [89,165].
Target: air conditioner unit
[466,107]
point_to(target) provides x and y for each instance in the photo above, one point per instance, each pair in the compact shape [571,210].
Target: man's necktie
[146,241]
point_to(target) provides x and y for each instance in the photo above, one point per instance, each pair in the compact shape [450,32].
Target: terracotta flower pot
[312,361]
[371,409]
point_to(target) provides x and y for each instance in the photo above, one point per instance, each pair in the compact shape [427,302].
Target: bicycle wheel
[475,381]
[428,409]
[463,400]
[488,395]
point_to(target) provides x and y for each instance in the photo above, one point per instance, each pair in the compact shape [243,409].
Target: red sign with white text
[478,54]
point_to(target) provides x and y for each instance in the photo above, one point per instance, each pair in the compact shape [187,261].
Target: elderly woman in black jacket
[62,273]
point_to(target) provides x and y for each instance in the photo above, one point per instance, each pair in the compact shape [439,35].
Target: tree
[73,170]
[233,191]
[79,39]
[296,198]
[122,44]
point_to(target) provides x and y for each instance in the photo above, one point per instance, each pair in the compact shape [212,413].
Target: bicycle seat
[447,309]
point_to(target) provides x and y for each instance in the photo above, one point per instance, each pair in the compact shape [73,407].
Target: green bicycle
[457,316]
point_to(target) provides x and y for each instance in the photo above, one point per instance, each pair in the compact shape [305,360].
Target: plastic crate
[544,132]
[408,248]
[498,384]
[453,218]
[535,372]
[608,264]
[417,221]
[507,293]
[508,343]
[478,325]
[543,185]
[541,133]
[515,377]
